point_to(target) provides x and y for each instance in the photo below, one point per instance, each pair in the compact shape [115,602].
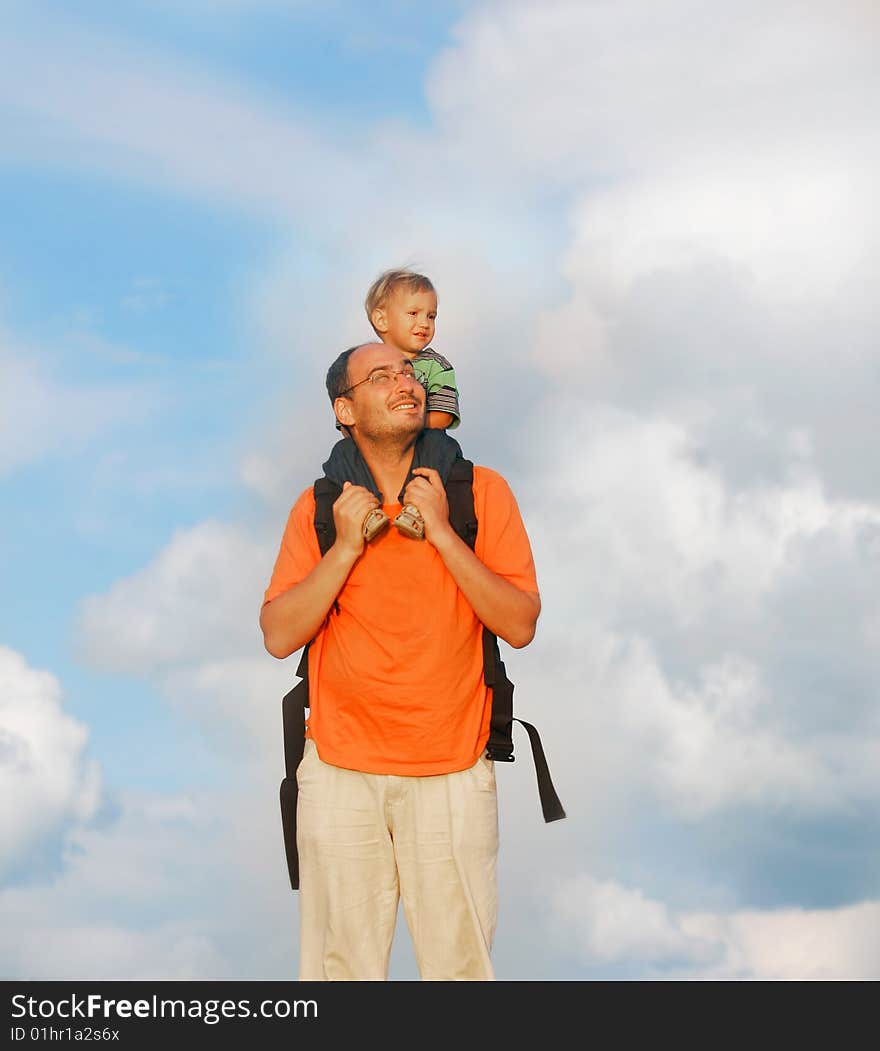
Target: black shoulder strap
[296,702]
[460,498]
[326,494]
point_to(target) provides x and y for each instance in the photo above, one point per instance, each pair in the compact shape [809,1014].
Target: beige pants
[367,840]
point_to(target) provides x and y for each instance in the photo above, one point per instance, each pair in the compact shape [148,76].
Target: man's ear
[379,319]
[342,408]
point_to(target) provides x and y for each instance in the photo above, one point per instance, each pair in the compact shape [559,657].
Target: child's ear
[379,319]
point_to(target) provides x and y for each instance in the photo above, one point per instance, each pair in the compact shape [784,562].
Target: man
[396,797]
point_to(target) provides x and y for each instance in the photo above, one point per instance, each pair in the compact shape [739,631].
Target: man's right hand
[349,511]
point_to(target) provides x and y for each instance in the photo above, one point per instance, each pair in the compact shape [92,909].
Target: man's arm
[506,610]
[292,619]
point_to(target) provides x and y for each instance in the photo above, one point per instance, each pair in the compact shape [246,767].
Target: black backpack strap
[326,493]
[460,498]
[462,516]
[296,702]
[500,744]
[293,711]
[551,806]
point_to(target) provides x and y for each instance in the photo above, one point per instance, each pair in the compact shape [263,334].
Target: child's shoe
[410,522]
[374,522]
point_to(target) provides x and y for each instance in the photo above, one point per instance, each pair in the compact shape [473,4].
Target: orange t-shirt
[396,675]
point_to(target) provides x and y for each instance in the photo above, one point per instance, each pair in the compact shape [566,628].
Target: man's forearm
[505,609]
[294,617]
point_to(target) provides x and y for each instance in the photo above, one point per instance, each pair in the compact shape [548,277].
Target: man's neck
[389,463]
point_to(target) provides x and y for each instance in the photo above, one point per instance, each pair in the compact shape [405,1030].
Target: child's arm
[438,378]
[440,420]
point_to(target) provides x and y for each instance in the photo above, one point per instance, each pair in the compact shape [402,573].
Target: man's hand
[506,610]
[349,511]
[427,492]
[295,616]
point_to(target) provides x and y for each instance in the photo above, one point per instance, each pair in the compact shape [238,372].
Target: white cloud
[199,597]
[795,944]
[571,90]
[675,624]
[606,923]
[47,780]
[153,886]
[237,701]
[180,887]
[718,188]
[726,743]
[631,500]
[613,924]
[189,622]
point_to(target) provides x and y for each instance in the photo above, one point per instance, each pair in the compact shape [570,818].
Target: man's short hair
[337,375]
[386,284]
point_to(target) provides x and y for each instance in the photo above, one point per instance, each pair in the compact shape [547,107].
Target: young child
[402,308]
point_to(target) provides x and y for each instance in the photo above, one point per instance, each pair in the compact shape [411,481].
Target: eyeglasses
[384,378]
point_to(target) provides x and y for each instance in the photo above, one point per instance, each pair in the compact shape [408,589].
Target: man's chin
[409,423]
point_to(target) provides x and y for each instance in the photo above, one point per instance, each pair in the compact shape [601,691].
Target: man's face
[385,397]
[406,320]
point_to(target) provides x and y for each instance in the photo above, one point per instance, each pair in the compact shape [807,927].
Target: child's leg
[346,464]
[434,448]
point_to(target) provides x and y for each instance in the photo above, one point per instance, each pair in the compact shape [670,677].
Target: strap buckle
[500,753]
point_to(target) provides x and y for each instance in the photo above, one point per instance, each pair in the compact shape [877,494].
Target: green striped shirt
[438,378]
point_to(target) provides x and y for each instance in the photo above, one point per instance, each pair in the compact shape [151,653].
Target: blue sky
[656,260]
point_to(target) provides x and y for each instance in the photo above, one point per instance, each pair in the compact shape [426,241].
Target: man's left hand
[427,492]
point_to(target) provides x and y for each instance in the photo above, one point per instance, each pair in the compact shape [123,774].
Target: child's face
[406,320]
